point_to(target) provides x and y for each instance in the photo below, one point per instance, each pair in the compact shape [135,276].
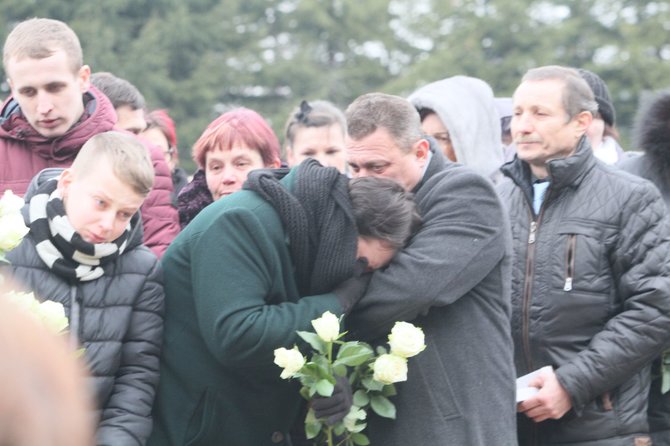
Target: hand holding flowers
[371,376]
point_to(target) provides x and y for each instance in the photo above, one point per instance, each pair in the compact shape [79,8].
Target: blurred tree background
[198,58]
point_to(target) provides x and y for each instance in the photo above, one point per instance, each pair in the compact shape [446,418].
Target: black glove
[351,290]
[335,407]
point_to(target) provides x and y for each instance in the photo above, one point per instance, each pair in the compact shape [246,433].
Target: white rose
[52,315]
[327,327]
[389,369]
[25,301]
[290,360]
[355,414]
[406,340]
[12,230]
[10,203]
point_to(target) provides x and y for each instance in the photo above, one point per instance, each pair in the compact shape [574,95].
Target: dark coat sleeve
[636,335]
[254,313]
[159,216]
[126,418]
[464,235]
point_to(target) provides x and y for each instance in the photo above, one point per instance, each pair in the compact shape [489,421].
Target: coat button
[277,437]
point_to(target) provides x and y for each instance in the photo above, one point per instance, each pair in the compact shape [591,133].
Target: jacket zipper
[527,292]
[75,311]
[570,262]
[530,268]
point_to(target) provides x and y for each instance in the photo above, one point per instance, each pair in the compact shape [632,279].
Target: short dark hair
[119,91]
[383,210]
[397,115]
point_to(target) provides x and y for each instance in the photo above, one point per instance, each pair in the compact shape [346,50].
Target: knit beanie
[601,93]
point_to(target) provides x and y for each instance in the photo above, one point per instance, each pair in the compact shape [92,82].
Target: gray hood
[467,108]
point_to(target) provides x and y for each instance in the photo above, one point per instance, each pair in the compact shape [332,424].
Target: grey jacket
[590,294]
[120,326]
[453,281]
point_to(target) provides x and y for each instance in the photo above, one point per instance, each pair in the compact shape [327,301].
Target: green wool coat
[231,300]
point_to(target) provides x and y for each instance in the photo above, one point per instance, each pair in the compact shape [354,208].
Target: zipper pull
[568,284]
[531,234]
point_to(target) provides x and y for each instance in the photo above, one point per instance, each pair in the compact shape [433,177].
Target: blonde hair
[124,153]
[44,396]
[40,38]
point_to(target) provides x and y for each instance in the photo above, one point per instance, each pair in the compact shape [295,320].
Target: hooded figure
[466,106]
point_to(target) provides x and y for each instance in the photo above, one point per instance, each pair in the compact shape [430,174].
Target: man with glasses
[461,114]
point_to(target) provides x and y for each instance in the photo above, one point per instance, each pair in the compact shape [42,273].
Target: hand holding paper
[551,401]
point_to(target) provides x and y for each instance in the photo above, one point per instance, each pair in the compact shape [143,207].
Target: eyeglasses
[442,138]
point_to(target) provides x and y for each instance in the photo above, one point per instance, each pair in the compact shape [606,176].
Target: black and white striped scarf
[62,249]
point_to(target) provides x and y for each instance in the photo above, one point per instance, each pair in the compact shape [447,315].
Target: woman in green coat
[244,276]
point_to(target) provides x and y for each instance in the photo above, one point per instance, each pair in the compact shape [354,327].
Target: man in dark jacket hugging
[591,278]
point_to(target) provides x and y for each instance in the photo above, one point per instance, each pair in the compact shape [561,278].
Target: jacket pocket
[581,252]
[205,427]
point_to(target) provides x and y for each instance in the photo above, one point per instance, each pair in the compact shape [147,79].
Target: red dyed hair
[161,120]
[238,126]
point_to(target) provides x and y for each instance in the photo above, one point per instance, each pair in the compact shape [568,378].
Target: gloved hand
[335,407]
[351,290]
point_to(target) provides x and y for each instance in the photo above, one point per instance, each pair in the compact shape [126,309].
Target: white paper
[523,391]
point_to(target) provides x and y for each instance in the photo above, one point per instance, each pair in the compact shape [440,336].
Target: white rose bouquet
[371,375]
[12,227]
[12,230]
[50,314]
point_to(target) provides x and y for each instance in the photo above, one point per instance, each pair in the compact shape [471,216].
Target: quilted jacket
[120,321]
[590,294]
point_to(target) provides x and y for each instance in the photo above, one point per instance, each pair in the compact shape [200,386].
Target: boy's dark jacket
[121,329]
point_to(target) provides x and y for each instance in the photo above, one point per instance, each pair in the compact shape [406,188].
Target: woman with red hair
[234,144]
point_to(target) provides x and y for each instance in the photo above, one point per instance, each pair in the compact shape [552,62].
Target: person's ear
[421,149]
[583,120]
[64,180]
[84,78]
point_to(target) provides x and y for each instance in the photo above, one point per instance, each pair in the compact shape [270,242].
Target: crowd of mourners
[516,232]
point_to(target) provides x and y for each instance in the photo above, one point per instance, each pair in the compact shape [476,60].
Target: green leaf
[353,354]
[389,390]
[339,429]
[315,341]
[371,384]
[312,430]
[340,369]
[304,392]
[360,439]
[383,406]
[324,387]
[361,398]
[312,425]
[381,350]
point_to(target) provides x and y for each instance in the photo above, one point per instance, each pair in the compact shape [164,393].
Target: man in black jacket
[591,279]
